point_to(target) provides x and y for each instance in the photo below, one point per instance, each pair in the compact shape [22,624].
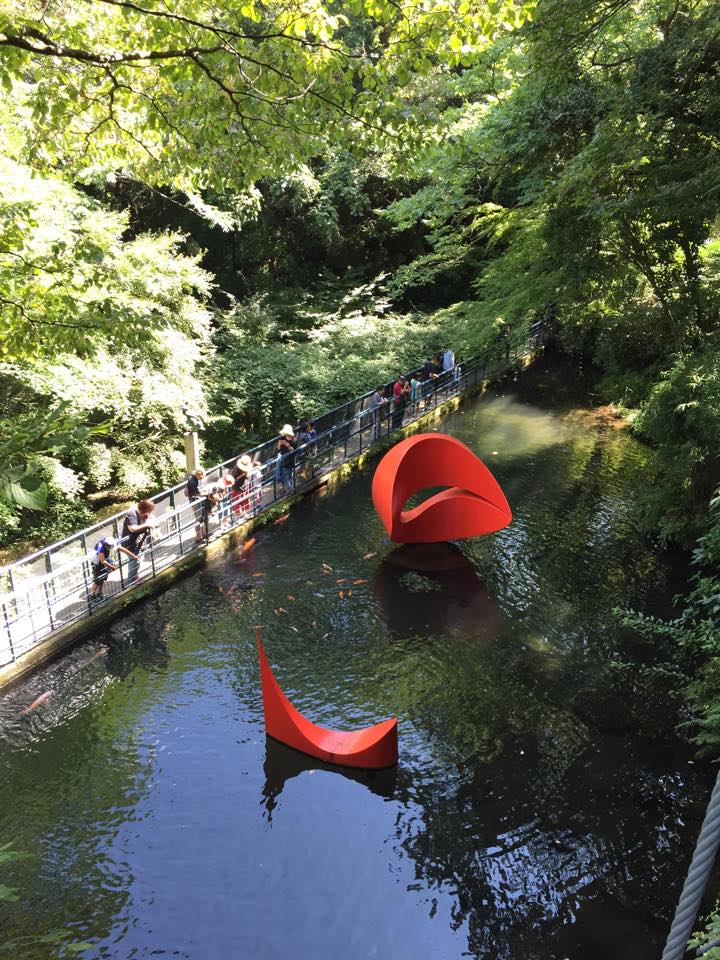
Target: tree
[68,281]
[222,93]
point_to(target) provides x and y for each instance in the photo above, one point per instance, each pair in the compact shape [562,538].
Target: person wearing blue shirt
[103,564]
[307,446]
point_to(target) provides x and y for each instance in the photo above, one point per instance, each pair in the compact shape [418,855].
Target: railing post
[83,541]
[116,534]
[178,521]
[49,607]
[9,631]
[49,570]
[152,555]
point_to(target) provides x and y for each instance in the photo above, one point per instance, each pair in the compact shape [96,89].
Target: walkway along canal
[46,603]
[543,807]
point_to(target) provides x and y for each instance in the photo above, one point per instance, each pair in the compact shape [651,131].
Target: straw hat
[245,462]
[287,431]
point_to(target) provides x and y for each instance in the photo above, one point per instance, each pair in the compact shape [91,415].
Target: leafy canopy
[203,93]
[68,280]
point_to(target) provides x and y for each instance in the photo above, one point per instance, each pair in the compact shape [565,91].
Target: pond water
[542,808]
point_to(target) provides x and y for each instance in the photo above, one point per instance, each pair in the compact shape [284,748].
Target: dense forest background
[257,210]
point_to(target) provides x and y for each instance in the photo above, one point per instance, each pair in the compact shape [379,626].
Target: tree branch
[50,48]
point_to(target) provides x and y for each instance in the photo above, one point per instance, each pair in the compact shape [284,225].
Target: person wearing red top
[401,392]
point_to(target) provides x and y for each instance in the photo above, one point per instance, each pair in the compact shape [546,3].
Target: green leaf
[29,492]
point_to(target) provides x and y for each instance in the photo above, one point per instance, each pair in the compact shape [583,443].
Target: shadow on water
[432,588]
[283,763]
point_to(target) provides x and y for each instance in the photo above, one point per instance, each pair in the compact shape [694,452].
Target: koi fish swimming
[43,698]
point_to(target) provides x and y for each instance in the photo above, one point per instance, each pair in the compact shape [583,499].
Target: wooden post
[192,451]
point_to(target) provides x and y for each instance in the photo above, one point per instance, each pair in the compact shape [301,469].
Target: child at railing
[307,446]
[103,564]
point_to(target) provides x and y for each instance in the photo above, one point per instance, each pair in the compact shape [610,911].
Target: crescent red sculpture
[371,748]
[474,505]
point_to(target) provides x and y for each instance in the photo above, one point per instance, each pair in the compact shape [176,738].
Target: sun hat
[111,541]
[245,461]
[287,431]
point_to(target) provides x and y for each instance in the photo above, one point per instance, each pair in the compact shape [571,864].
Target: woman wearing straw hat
[241,488]
[286,457]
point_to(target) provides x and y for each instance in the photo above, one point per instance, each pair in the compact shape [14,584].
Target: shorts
[100,573]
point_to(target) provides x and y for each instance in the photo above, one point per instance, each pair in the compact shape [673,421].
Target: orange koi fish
[43,698]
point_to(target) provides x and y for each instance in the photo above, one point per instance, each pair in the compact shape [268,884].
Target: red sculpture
[474,505]
[370,748]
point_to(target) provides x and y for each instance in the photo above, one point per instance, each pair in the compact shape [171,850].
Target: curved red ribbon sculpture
[474,505]
[371,748]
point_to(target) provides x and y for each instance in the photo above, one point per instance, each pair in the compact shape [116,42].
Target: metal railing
[49,589]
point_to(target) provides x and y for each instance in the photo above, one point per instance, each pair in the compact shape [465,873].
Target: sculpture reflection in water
[283,763]
[433,588]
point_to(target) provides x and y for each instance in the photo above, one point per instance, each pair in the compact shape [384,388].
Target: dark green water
[542,808]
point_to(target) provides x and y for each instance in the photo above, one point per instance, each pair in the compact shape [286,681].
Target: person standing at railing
[137,530]
[286,458]
[103,564]
[255,483]
[240,474]
[401,392]
[308,435]
[225,490]
[377,402]
[307,446]
[194,491]
[415,388]
[194,482]
[448,360]
[429,376]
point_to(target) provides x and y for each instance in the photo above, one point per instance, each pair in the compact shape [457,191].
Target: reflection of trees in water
[91,770]
[522,863]
[528,842]
[574,550]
